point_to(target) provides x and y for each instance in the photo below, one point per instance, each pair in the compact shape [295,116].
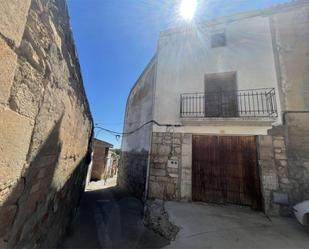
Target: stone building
[220,114]
[100,158]
[45,123]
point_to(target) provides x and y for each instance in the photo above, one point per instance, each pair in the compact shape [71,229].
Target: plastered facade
[266,49]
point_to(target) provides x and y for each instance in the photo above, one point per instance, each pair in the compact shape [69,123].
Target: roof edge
[239,16]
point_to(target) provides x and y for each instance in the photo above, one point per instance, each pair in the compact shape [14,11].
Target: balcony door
[221,95]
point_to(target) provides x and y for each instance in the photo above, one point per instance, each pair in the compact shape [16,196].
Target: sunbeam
[188,9]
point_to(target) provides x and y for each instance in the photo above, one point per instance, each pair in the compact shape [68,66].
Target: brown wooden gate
[225,170]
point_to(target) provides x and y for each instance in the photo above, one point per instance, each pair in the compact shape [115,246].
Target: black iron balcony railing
[242,103]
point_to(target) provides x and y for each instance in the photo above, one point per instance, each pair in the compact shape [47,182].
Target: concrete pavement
[213,226]
[111,218]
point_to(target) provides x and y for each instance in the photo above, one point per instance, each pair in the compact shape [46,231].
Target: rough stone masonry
[45,123]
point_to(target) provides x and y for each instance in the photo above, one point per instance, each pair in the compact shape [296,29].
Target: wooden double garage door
[225,170]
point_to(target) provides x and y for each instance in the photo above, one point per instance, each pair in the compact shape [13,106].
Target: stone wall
[283,160]
[269,169]
[132,172]
[279,184]
[45,123]
[283,172]
[165,165]
[290,31]
[297,143]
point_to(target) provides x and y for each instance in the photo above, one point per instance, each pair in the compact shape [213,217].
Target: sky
[116,39]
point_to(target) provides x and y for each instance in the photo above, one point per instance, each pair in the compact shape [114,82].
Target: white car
[301,212]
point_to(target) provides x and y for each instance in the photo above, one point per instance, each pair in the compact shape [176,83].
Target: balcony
[255,105]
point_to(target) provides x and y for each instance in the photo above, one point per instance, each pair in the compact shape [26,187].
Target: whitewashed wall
[139,110]
[185,56]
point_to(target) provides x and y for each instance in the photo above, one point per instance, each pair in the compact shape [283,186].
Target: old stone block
[177,135]
[41,173]
[3,244]
[164,150]
[27,90]
[176,141]
[156,139]
[159,159]
[267,166]
[186,161]
[177,150]
[278,143]
[8,63]
[13,15]
[173,175]
[157,172]
[14,143]
[265,141]
[156,190]
[172,170]
[283,163]
[277,130]
[285,180]
[187,149]
[174,179]
[280,156]
[157,134]
[187,139]
[186,173]
[31,56]
[186,190]
[46,162]
[282,172]
[166,141]
[154,149]
[170,190]
[162,179]
[7,214]
[265,153]
[159,165]
[278,150]
[11,194]
[35,187]
[270,182]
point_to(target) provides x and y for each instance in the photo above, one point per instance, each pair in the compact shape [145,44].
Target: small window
[218,40]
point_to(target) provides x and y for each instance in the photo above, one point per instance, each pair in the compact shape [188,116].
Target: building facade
[100,159]
[220,113]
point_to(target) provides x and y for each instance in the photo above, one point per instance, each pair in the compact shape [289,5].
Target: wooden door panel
[224,170]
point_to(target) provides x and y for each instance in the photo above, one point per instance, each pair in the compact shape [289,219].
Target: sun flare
[187,9]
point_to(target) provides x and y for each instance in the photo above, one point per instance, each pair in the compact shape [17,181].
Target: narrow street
[154,124]
[110,218]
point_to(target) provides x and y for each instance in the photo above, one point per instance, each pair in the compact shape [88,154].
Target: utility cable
[137,129]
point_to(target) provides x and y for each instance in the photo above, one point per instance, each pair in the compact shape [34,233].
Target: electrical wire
[116,133]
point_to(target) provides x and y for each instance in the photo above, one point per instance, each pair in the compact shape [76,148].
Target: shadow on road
[111,218]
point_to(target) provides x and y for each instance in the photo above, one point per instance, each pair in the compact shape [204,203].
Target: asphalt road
[110,218]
